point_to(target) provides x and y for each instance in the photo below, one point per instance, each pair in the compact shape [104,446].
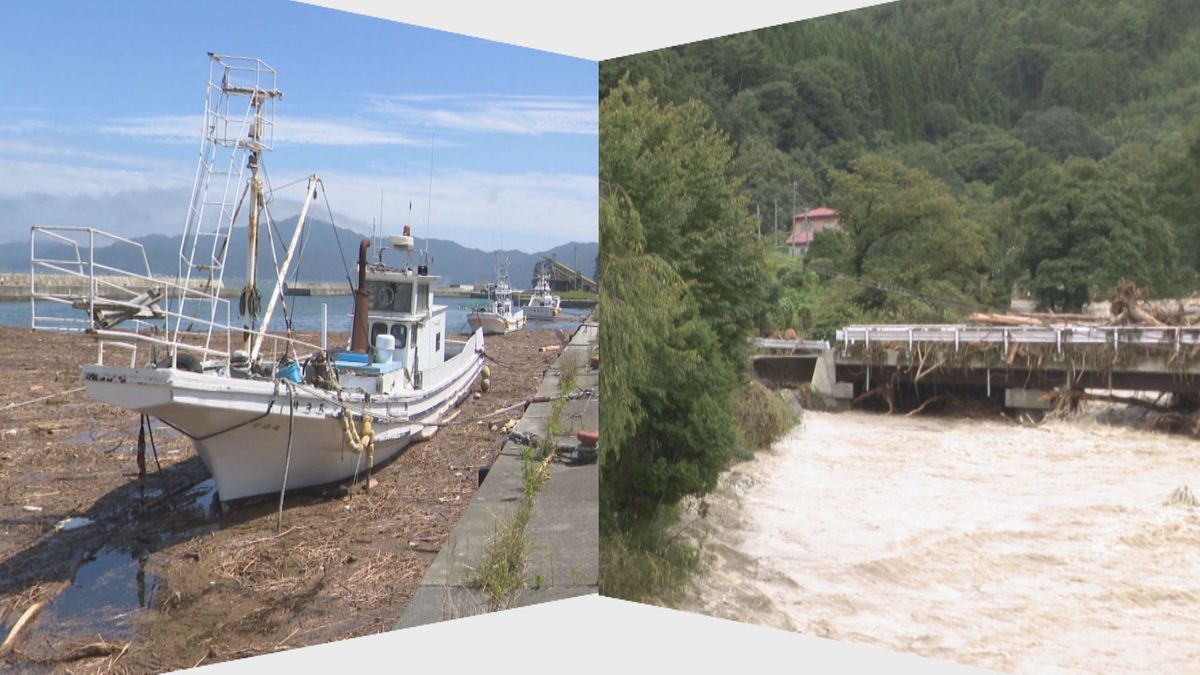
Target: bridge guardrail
[791,345]
[1174,337]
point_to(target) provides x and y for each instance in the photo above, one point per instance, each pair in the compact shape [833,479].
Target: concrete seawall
[564,540]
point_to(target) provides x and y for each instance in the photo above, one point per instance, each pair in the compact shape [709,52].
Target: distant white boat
[543,304]
[498,316]
[277,413]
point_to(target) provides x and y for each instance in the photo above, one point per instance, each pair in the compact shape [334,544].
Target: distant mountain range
[456,264]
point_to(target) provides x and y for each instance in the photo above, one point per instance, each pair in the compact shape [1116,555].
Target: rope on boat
[360,441]
[227,429]
[145,429]
[336,236]
[141,447]
[10,406]
[287,460]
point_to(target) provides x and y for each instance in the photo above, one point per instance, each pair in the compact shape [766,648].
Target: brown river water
[1026,549]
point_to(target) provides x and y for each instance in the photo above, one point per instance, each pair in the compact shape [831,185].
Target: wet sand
[155,566]
[1021,549]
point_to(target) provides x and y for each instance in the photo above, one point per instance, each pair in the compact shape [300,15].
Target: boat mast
[238,128]
[252,299]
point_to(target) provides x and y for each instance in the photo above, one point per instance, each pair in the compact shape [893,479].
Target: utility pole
[775,225]
[758,217]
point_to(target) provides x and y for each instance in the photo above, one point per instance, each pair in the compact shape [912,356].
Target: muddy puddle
[1058,548]
[107,591]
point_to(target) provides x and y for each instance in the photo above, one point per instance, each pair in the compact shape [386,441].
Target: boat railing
[125,305]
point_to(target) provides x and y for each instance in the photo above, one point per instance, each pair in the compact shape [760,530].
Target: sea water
[305,314]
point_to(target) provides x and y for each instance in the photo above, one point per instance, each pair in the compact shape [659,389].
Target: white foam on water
[984,542]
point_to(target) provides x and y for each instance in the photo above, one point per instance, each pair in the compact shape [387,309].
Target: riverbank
[1021,548]
[155,567]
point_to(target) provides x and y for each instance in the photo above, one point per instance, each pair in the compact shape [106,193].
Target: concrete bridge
[1020,363]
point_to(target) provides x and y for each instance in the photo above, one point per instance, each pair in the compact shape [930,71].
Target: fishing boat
[267,412]
[497,317]
[543,304]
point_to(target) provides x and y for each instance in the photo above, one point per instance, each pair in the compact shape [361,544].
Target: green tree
[905,227]
[685,282]
[1061,133]
[1176,178]
[1087,225]
[674,165]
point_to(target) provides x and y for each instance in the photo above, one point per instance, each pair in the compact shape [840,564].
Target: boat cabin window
[412,334]
[403,297]
[400,332]
[378,328]
[437,342]
[422,297]
[389,296]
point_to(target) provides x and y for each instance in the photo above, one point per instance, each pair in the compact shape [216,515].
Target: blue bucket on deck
[290,372]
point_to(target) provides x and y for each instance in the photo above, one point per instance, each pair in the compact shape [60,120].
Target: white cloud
[25,177]
[528,211]
[494,114]
[288,130]
[44,149]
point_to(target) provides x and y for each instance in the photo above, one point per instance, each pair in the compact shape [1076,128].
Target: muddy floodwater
[1054,548]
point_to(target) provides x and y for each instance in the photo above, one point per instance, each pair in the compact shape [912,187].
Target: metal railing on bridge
[1171,337]
[780,344]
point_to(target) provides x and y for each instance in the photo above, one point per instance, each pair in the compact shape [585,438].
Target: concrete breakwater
[15,286]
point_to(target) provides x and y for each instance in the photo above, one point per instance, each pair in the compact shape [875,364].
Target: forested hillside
[971,147]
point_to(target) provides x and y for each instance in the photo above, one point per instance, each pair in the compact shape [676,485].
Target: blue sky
[102,105]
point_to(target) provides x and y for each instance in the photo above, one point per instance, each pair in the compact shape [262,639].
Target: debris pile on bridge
[1129,305]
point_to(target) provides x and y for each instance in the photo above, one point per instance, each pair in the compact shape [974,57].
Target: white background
[595,29]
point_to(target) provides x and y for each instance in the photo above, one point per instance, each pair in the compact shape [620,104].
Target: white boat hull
[541,312]
[496,324]
[240,427]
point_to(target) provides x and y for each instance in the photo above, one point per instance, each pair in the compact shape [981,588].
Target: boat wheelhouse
[543,304]
[498,317]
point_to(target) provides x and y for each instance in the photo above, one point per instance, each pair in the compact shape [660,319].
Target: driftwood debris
[883,391]
[932,399]
[30,615]
[1004,320]
[92,650]
[27,618]
[1128,305]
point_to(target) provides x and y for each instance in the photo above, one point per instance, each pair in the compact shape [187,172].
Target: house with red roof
[806,225]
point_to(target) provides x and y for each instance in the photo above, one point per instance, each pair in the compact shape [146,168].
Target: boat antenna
[429,202]
[379,232]
[408,232]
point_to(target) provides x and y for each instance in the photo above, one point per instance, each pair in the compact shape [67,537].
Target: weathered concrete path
[564,541]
